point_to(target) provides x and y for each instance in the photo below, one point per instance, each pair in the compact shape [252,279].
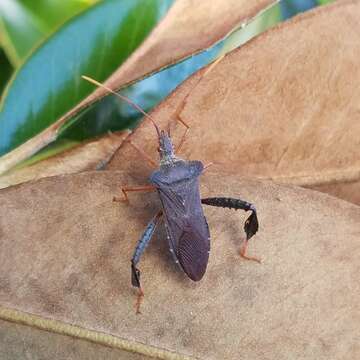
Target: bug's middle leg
[142,153]
[126,189]
[251,225]
[140,248]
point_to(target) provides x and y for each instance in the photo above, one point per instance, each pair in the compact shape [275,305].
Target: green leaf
[94,43]
[24,23]
[266,19]
[51,150]
[291,8]
[19,30]
[52,13]
[324,2]
[5,70]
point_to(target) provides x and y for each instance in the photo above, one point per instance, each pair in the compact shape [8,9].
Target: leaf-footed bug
[177,183]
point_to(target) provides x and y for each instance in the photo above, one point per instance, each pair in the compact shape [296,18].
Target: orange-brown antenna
[124,98]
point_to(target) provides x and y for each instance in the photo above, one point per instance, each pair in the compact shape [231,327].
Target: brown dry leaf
[25,342]
[349,191]
[88,156]
[284,106]
[64,267]
[190,26]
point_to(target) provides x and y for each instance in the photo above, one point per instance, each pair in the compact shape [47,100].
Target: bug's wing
[186,226]
[193,252]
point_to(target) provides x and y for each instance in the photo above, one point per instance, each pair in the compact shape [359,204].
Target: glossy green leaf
[265,20]
[19,30]
[290,8]
[5,70]
[324,2]
[49,151]
[52,13]
[24,23]
[49,84]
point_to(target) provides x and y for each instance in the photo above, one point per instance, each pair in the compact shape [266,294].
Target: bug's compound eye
[158,149]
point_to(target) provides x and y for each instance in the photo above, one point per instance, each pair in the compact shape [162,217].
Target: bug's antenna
[124,98]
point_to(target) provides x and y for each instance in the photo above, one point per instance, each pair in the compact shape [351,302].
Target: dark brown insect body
[177,183]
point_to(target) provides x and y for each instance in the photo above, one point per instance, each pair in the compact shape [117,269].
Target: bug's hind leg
[140,248]
[251,225]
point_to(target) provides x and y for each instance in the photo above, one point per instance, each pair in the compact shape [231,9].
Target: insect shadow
[177,183]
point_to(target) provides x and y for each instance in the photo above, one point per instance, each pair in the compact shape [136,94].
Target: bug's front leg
[140,248]
[251,225]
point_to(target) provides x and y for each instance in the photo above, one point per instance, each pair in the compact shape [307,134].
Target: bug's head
[166,149]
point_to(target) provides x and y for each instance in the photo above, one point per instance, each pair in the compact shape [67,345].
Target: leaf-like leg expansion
[251,225]
[126,189]
[140,248]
